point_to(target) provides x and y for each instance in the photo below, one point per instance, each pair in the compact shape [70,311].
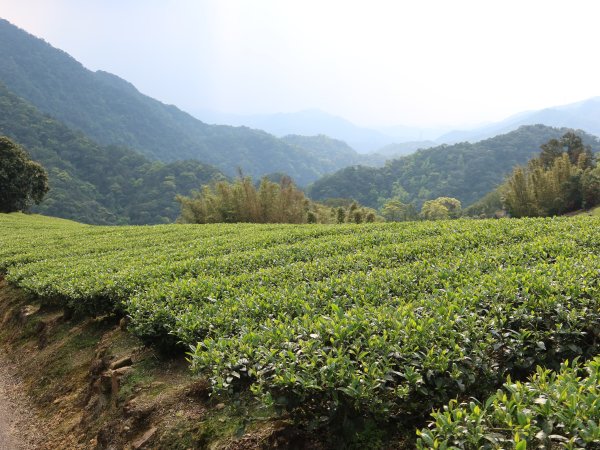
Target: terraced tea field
[381,320]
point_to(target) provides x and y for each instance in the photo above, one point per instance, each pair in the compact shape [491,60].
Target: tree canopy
[441,208]
[266,202]
[563,178]
[23,182]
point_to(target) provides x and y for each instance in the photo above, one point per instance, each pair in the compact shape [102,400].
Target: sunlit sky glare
[375,62]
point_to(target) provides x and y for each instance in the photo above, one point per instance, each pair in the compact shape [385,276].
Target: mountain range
[112,111]
[402,140]
[115,155]
[316,122]
[466,171]
[583,115]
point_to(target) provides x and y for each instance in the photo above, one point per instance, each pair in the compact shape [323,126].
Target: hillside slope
[113,112]
[95,184]
[331,153]
[464,171]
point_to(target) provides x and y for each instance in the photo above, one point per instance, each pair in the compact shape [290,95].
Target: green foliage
[396,211]
[270,202]
[23,182]
[241,201]
[561,179]
[552,410]
[94,184]
[488,206]
[382,320]
[463,171]
[441,208]
[570,143]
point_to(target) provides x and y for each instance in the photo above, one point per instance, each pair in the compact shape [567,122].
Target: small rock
[145,438]
[122,371]
[220,406]
[123,362]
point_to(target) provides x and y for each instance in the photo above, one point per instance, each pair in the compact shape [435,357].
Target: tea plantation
[389,321]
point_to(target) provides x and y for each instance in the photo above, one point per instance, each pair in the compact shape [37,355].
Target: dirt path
[17,429]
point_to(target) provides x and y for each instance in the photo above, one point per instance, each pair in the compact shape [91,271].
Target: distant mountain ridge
[400,140]
[465,171]
[311,122]
[112,112]
[583,115]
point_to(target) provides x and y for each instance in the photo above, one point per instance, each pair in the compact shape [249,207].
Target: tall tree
[23,182]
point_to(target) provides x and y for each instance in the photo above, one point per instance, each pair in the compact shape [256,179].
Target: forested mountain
[333,154]
[112,112]
[464,171]
[96,184]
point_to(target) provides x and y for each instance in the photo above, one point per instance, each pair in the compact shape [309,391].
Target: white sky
[375,62]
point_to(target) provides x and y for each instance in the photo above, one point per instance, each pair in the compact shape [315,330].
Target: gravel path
[17,430]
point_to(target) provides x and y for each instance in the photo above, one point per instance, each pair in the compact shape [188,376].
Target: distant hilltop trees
[563,178]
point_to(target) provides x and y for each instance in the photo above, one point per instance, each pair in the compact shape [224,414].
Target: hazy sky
[415,62]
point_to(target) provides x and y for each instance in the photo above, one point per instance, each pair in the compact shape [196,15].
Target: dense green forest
[96,184]
[464,171]
[331,153]
[113,112]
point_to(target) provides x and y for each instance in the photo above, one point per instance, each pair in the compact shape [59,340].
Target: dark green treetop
[23,182]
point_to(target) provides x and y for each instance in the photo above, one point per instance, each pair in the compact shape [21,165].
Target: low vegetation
[333,323]
[555,409]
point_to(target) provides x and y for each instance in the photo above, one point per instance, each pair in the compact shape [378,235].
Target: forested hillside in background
[96,184]
[464,171]
[332,154]
[113,112]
